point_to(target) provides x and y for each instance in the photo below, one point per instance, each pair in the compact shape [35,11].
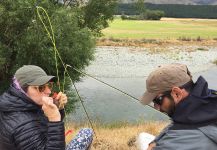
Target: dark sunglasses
[159,100]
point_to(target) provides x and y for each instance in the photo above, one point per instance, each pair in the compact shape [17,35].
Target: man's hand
[50,109]
[151,146]
[60,100]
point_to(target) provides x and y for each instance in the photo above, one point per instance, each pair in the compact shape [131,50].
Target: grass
[167,28]
[202,49]
[215,62]
[119,136]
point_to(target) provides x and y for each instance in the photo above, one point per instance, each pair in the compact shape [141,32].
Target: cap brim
[42,80]
[147,98]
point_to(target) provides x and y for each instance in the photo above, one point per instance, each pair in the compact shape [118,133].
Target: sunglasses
[42,88]
[159,100]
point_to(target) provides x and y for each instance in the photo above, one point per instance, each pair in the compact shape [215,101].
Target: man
[191,106]
[32,120]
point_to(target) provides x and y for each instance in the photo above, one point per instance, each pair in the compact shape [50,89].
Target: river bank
[126,68]
[161,44]
[123,62]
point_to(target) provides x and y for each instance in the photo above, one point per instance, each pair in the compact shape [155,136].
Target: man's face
[165,103]
[37,92]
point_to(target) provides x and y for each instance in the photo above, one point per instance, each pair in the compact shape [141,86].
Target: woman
[32,120]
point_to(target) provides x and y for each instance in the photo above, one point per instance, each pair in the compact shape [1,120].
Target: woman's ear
[177,94]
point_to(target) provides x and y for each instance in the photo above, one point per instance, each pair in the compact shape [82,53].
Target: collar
[198,107]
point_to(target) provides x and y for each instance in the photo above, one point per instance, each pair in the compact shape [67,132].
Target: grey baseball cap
[163,79]
[32,75]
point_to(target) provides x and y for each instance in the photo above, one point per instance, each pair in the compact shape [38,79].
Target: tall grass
[119,136]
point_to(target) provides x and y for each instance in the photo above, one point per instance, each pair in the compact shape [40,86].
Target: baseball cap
[163,79]
[32,75]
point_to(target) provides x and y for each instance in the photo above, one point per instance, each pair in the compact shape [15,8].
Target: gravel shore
[125,62]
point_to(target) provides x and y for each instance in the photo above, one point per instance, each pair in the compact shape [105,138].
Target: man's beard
[171,110]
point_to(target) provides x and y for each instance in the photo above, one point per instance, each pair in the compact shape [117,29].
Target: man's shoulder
[210,131]
[196,130]
[187,131]
[187,138]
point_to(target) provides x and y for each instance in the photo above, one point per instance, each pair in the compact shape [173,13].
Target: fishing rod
[111,86]
[51,36]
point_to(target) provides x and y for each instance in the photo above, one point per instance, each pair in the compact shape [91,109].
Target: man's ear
[177,94]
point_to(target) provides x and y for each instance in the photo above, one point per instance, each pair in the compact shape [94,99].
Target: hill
[173,10]
[185,2]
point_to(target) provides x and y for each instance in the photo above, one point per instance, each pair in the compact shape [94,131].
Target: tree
[154,14]
[140,7]
[23,39]
[97,13]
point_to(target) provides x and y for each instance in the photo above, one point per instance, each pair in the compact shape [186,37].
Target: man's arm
[162,133]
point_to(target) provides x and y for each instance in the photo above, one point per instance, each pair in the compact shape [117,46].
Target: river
[126,68]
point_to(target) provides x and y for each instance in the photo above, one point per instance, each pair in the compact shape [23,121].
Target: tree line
[173,10]
[142,13]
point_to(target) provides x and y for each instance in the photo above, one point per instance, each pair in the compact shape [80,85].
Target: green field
[167,28]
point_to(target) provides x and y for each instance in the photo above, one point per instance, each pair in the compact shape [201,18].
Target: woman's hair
[16,84]
[25,88]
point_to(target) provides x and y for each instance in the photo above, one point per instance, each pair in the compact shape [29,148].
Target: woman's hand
[50,109]
[60,100]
